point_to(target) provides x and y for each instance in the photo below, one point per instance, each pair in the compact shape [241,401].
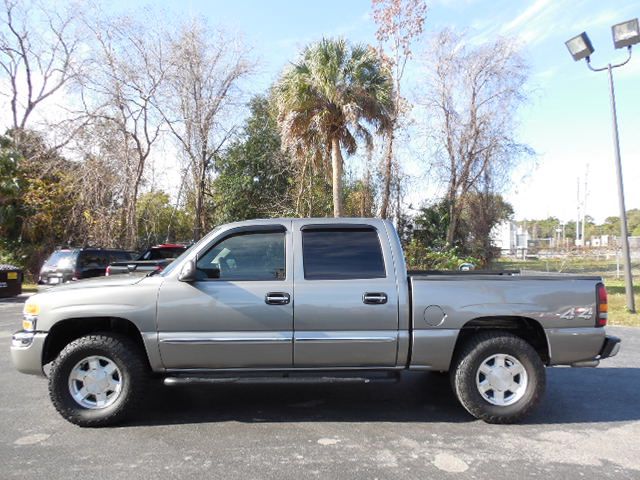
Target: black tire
[469,359]
[133,368]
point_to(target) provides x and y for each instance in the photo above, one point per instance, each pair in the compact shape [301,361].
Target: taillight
[602,307]
[108,272]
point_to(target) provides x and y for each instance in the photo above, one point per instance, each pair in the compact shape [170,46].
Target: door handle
[277,298]
[374,298]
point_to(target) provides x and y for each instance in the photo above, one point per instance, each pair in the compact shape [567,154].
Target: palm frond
[335,90]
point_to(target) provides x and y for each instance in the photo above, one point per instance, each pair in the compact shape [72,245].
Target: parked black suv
[65,265]
[154,258]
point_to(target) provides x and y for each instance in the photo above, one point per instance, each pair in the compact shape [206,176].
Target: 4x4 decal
[578,312]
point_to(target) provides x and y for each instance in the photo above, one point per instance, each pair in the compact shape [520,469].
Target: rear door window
[342,254]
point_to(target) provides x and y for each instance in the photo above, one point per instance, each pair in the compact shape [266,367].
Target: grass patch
[29,288]
[618,314]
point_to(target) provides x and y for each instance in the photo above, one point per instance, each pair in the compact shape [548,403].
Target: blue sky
[567,122]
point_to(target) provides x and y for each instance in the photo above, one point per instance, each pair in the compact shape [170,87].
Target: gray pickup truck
[308,300]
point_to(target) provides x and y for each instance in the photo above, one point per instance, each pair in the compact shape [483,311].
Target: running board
[284,379]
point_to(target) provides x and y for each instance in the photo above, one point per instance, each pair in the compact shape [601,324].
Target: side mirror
[188,272]
[211,271]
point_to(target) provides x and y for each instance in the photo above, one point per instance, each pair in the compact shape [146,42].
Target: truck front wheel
[97,379]
[498,377]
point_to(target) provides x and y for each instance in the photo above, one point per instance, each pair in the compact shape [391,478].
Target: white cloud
[604,18]
[451,3]
[537,22]
[525,17]
[546,74]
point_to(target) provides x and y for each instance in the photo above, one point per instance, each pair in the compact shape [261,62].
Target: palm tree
[330,100]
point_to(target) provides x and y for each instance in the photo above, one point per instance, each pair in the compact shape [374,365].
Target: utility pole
[578,221]
[584,206]
[625,35]
[628,278]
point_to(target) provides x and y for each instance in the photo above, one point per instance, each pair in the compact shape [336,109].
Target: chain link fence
[606,263]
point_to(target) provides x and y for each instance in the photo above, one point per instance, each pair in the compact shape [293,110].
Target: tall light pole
[625,34]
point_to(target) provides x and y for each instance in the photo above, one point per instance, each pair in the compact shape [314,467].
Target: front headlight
[30,311]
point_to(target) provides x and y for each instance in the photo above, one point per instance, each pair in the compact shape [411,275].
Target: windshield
[169,268]
[61,259]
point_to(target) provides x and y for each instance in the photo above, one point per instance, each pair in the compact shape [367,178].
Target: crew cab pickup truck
[154,258]
[292,299]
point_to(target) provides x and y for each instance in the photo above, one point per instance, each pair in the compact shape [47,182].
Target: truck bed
[443,303]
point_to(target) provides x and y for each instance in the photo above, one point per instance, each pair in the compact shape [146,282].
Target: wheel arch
[528,329]
[66,331]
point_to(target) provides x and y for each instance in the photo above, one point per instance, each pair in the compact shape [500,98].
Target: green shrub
[419,257]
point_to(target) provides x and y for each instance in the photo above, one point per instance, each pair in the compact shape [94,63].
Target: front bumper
[610,347]
[26,351]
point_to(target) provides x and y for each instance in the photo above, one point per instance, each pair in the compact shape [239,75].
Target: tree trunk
[336,163]
[131,236]
[132,221]
[199,206]
[453,221]
[388,172]
[301,191]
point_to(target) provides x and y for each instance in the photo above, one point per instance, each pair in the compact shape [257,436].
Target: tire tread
[466,390]
[122,348]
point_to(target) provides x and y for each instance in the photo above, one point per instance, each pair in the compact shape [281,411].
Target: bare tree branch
[38,56]
[204,71]
[126,75]
[400,23]
[472,99]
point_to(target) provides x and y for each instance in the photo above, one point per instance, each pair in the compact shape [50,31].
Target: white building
[510,238]
[601,241]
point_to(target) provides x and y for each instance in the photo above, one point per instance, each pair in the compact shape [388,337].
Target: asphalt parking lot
[587,427]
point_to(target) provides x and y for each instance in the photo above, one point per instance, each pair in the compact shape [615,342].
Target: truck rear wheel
[97,379]
[498,377]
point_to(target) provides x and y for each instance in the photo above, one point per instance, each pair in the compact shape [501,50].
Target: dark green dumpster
[10,281]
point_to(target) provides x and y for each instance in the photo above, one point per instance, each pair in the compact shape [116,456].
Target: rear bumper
[582,346]
[26,352]
[610,347]
[55,279]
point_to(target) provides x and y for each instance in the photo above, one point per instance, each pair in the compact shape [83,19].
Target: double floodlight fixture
[624,34]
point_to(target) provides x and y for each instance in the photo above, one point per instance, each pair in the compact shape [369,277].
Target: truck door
[239,313]
[346,301]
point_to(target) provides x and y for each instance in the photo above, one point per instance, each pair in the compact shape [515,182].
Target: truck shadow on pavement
[573,396]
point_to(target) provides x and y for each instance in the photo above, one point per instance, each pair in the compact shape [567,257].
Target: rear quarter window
[93,259]
[342,254]
[119,257]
